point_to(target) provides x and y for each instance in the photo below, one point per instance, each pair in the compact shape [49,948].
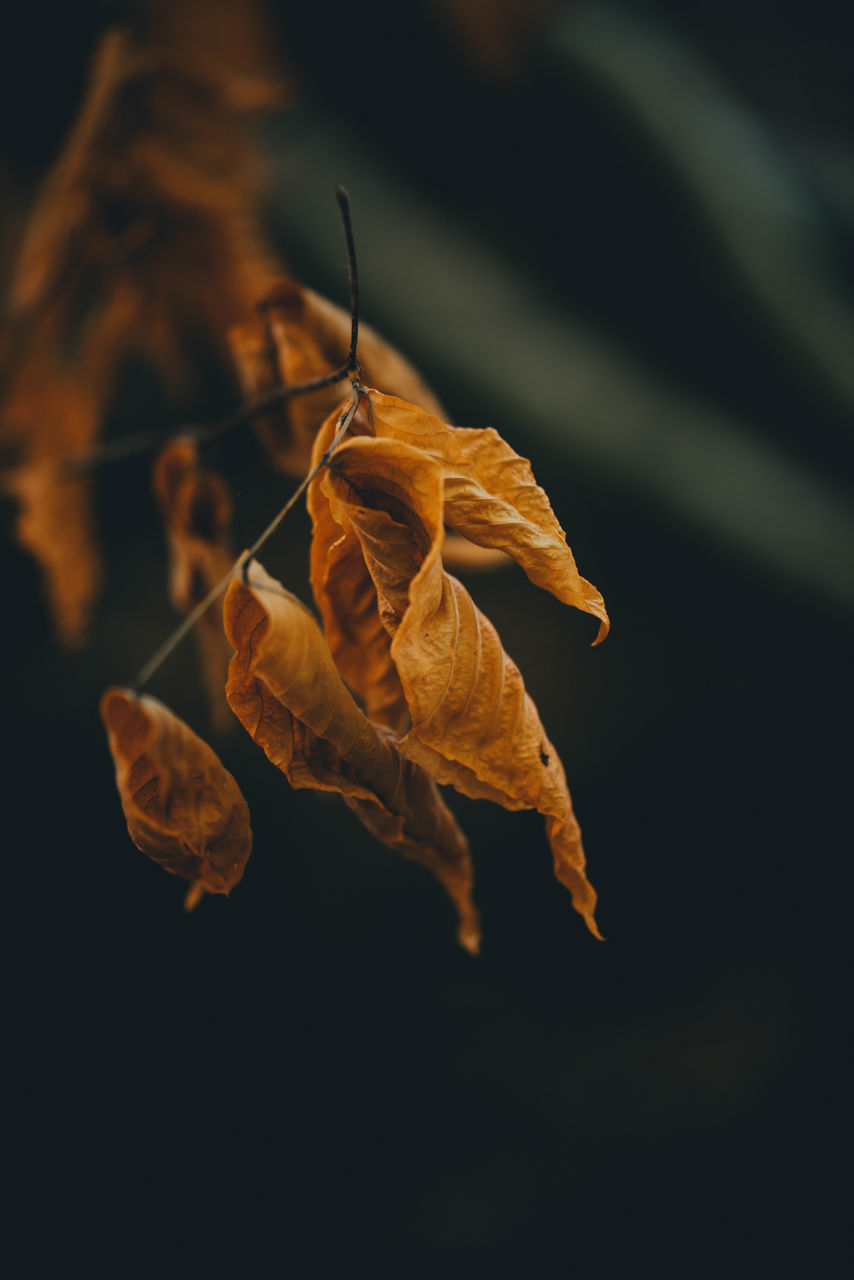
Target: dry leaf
[197,511]
[54,521]
[473,724]
[347,599]
[285,690]
[183,808]
[490,498]
[299,336]
[142,230]
[141,240]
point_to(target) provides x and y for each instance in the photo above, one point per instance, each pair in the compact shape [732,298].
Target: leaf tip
[195,893]
[593,927]
[468,936]
[604,628]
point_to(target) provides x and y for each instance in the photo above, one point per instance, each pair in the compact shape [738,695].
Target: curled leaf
[285,690]
[182,807]
[197,510]
[490,499]
[347,599]
[473,723]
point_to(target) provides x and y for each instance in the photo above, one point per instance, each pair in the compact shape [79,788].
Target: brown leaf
[141,241]
[197,510]
[473,724]
[285,690]
[142,230]
[347,599]
[299,336]
[54,521]
[183,808]
[490,498]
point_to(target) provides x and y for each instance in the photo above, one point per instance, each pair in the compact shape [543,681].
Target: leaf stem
[344,209]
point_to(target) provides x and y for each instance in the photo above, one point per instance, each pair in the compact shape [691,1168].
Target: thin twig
[147,671]
[358,392]
[344,209]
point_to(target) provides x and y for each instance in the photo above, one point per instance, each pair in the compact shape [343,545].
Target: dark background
[311,1078]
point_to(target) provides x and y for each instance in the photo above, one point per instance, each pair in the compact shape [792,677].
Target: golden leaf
[142,230]
[54,520]
[296,337]
[285,690]
[347,599]
[490,498]
[141,240]
[182,807]
[473,723]
[197,510]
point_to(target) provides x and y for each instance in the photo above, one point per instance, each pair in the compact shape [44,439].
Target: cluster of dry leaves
[142,244]
[406,685]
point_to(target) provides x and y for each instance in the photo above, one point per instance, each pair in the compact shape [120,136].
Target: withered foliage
[197,509]
[285,690]
[489,498]
[142,240]
[473,724]
[182,807]
[443,702]
[143,231]
[55,520]
[490,495]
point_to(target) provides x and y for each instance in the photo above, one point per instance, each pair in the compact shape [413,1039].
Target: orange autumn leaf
[54,520]
[182,807]
[298,336]
[142,230]
[54,524]
[197,510]
[141,240]
[490,499]
[285,690]
[347,599]
[474,726]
